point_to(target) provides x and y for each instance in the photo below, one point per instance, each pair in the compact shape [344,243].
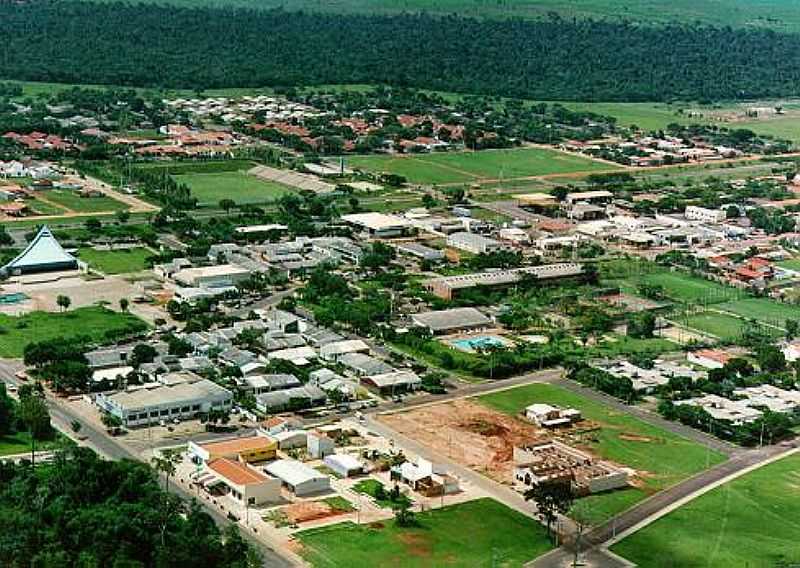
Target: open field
[751,521]
[661,458]
[790,264]
[763,310]
[116,261]
[242,188]
[723,326]
[94,322]
[476,533]
[679,287]
[463,167]
[71,201]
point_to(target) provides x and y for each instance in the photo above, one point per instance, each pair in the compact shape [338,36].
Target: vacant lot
[476,533]
[116,261]
[660,458]
[469,433]
[94,322]
[210,188]
[751,521]
[463,167]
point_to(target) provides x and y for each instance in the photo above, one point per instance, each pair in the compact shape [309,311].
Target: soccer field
[464,167]
[476,533]
[663,458]
[751,521]
[210,188]
[763,310]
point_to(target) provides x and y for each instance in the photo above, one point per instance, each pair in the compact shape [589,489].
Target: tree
[792,328]
[552,498]
[227,204]
[403,515]
[123,216]
[63,302]
[124,303]
[33,413]
[75,426]
[166,463]
[143,353]
[111,422]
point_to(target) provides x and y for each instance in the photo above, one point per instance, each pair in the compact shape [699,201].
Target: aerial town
[374,325]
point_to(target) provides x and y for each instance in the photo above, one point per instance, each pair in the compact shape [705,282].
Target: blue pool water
[14,298]
[479,342]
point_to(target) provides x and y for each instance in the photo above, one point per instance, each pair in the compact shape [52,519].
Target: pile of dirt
[309,511]
[468,433]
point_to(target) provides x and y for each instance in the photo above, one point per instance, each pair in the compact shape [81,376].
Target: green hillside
[781,15]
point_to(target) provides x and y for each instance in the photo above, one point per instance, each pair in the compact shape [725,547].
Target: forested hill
[147,45]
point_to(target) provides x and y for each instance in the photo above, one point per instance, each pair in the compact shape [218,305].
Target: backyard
[750,521]
[662,458]
[476,533]
[94,322]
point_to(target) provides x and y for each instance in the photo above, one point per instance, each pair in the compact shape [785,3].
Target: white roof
[111,374]
[375,221]
[341,347]
[42,250]
[395,378]
[293,472]
[345,461]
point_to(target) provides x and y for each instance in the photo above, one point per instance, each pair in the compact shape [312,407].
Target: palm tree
[167,464]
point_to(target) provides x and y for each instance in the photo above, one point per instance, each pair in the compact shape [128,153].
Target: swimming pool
[480,342]
[15,298]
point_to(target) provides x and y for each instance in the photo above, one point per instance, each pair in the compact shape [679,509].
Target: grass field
[681,287]
[116,261]
[20,443]
[790,264]
[666,458]
[94,322]
[473,534]
[725,327]
[209,189]
[751,521]
[463,167]
[78,204]
[763,310]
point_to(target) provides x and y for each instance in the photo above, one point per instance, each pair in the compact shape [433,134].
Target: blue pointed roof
[44,250]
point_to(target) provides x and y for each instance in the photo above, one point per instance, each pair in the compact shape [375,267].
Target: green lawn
[725,327]
[790,264]
[370,487]
[752,521]
[94,322]
[71,200]
[763,310]
[663,458]
[20,443]
[463,167]
[681,287]
[482,533]
[116,261]
[787,128]
[242,188]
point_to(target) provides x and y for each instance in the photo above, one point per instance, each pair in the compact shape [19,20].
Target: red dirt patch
[469,433]
[309,511]
[416,544]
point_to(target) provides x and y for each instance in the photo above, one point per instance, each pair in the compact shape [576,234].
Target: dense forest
[556,59]
[85,512]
